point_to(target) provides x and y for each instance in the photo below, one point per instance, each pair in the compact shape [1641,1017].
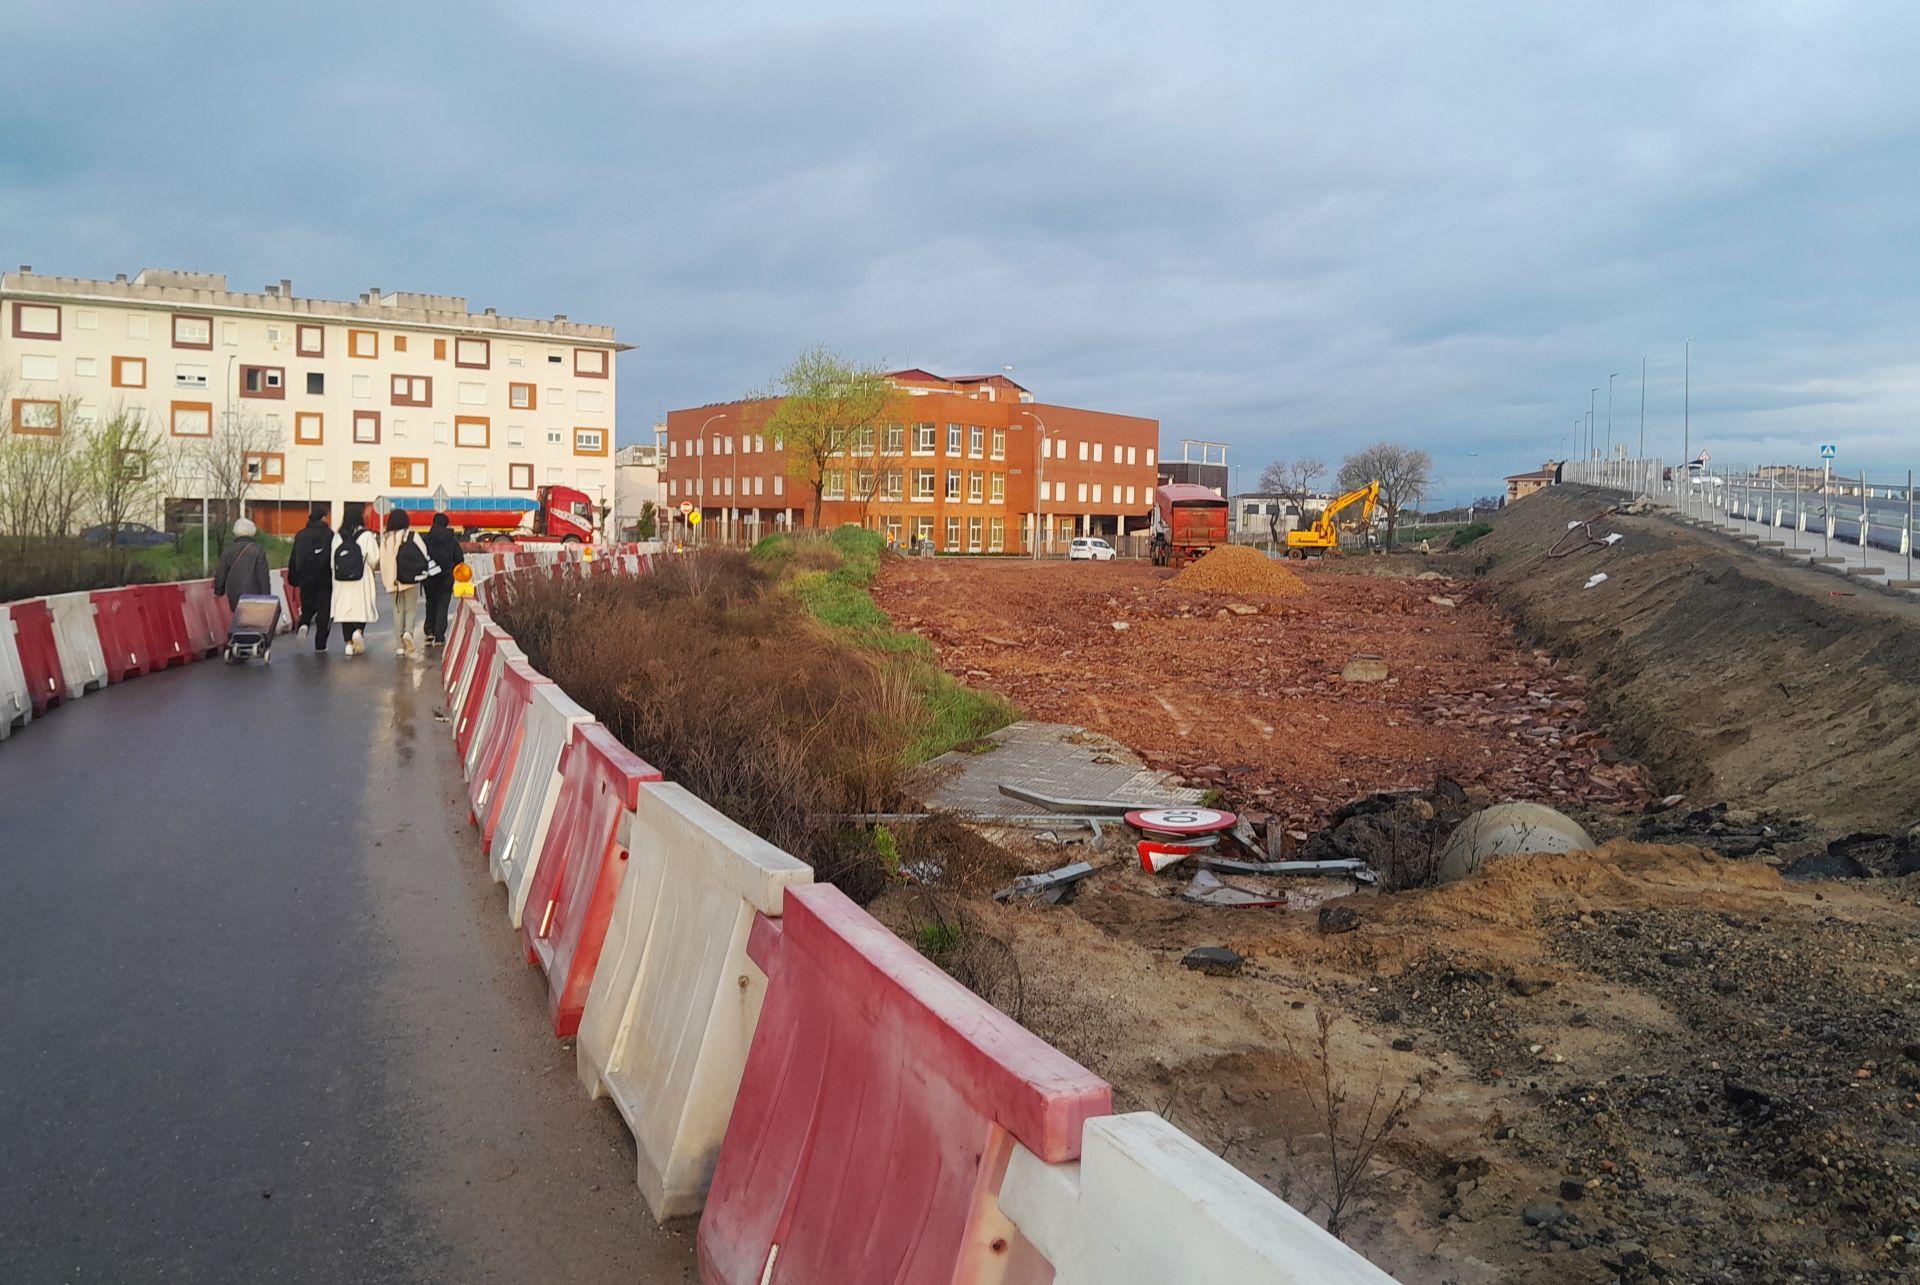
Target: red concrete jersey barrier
[581,866]
[123,633]
[877,1113]
[500,747]
[39,654]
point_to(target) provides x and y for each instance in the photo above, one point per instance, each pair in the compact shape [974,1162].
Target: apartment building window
[1046,448]
[363,386]
[366,427]
[890,486]
[410,390]
[519,477]
[556,398]
[474,432]
[589,441]
[923,439]
[36,416]
[39,367]
[309,428]
[1096,492]
[1060,492]
[263,381]
[1080,493]
[997,535]
[190,419]
[953,484]
[779,483]
[139,325]
[759,442]
[861,442]
[86,319]
[362,473]
[1098,447]
[953,535]
[86,367]
[310,341]
[35,321]
[590,363]
[131,372]
[1149,457]
[363,343]
[473,354]
[997,488]
[833,485]
[316,383]
[192,332]
[896,439]
[999,443]
[230,333]
[439,350]
[516,355]
[402,471]
[976,487]
[976,440]
[190,375]
[399,343]
[269,468]
[923,484]
[953,438]
[973,534]
[1131,457]
[863,483]
[516,435]
[471,393]
[523,397]
[1083,452]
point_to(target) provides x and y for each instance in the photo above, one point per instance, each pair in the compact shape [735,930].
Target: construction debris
[1364,668]
[1506,829]
[1206,890]
[1340,866]
[1598,577]
[1214,961]
[1055,887]
[1338,919]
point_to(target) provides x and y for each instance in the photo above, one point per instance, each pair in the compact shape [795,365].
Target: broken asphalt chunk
[1214,961]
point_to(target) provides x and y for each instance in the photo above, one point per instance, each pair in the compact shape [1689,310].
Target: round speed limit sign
[1181,820]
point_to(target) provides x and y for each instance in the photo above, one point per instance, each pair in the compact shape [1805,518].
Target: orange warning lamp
[463,573]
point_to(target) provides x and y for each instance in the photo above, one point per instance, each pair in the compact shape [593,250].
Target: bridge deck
[263,1015]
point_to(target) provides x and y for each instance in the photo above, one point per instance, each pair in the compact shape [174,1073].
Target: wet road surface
[262,1017]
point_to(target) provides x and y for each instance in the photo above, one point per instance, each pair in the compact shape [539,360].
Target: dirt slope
[1733,676]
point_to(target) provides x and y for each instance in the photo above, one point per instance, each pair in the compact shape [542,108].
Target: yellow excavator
[1324,534]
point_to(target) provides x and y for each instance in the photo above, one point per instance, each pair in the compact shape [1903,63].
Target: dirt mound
[1238,569]
[1733,676]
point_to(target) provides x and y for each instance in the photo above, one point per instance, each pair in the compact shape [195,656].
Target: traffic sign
[440,498]
[1180,821]
[383,506]
[694,518]
[1828,450]
[686,506]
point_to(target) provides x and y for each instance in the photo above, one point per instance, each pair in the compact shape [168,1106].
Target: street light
[1686,412]
[1591,417]
[700,449]
[1040,480]
[1610,378]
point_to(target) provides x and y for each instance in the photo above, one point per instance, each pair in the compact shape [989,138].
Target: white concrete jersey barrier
[675,999]
[77,640]
[16,698]
[1146,1205]
[489,701]
[532,792]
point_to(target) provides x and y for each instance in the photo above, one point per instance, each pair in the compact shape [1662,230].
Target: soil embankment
[1733,676]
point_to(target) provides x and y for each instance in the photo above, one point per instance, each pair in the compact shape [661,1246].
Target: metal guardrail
[1854,514]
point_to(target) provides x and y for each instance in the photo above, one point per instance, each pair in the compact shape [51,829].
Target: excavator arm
[1325,531]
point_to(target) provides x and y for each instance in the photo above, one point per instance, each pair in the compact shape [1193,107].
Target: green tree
[823,403]
[120,462]
[649,519]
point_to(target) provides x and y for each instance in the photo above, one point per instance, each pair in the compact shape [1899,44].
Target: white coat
[354,600]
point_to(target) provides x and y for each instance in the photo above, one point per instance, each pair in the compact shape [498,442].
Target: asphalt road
[262,1016]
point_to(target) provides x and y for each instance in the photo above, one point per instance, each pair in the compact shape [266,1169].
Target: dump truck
[551,513]
[1187,522]
[1324,535]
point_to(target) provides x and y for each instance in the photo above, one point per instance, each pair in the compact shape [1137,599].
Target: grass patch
[1466,535]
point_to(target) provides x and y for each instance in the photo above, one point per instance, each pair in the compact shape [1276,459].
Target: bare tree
[1404,475]
[824,401]
[226,464]
[878,473]
[124,474]
[42,473]
[1292,480]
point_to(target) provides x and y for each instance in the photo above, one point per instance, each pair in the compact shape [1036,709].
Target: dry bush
[729,688]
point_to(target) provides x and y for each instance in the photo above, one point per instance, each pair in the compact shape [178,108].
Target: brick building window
[263,381]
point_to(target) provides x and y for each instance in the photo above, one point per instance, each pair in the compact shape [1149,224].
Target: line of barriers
[834,1106]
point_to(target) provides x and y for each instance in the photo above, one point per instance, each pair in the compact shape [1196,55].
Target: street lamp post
[700,449]
[1592,417]
[1686,409]
[1040,483]
[1610,378]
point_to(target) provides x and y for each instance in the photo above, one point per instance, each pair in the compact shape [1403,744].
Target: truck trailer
[1187,522]
[552,513]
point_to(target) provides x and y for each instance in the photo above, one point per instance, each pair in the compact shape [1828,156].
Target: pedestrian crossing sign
[1828,451]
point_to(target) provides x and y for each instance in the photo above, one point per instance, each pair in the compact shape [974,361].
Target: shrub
[1466,535]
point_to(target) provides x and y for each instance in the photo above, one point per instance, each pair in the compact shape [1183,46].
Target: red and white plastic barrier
[526,809]
[123,633]
[498,744]
[674,999]
[77,639]
[16,698]
[870,1066]
[481,693]
[37,652]
[582,863]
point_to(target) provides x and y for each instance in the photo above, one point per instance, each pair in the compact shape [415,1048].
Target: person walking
[309,569]
[354,560]
[443,547]
[243,566]
[403,564]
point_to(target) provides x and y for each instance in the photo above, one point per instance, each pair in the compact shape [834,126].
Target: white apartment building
[392,394]
[636,472]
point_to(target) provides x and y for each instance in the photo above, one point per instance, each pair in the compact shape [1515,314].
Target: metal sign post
[1863,517]
[1907,540]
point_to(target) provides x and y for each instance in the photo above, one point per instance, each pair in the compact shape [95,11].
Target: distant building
[971,464]
[1521,485]
[1200,464]
[1258,514]
[329,401]
[636,483]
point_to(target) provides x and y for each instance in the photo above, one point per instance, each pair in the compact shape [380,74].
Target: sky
[1294,228]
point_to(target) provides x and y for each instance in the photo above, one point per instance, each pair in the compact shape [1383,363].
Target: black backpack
[308,562]
[411,564]
[347,562]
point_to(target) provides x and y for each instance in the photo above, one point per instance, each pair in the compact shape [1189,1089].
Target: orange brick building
[973,464]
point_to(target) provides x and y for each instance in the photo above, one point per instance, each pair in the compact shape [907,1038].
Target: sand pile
[1238,569]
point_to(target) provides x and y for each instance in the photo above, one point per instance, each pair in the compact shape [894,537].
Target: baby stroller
[250,636]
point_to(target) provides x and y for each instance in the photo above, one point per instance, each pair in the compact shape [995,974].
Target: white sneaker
[303,631]
[401,650]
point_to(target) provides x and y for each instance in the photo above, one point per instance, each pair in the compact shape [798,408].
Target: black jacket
[309,562]
[242,570]
[443,546]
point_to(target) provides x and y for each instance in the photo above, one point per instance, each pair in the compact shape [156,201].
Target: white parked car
[1089,548]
